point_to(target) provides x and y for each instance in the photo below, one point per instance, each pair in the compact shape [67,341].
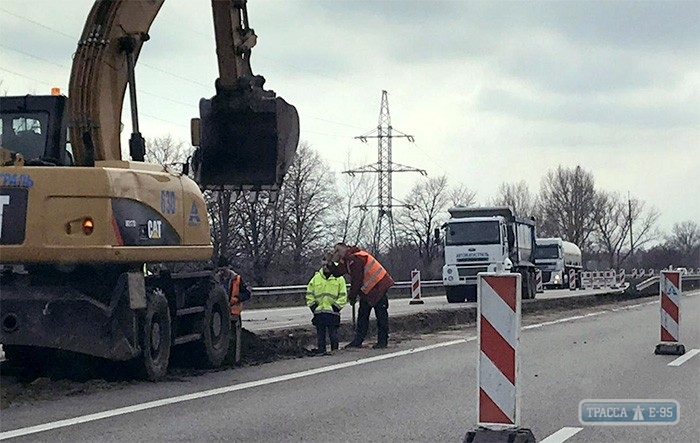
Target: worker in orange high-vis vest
[236,289]
[369,282]
[237,292]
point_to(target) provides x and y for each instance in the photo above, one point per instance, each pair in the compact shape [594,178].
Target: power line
[37,23]
[45,60]
[26,77]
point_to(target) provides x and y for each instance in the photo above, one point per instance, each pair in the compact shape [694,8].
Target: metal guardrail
[655,280]
[301,289]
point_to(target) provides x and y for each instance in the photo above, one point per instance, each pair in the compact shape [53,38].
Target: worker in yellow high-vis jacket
[325,296]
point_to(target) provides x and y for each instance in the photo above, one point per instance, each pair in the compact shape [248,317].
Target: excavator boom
[247,136]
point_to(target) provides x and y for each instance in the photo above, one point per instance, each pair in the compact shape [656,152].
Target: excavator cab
[245,138]
[32,127]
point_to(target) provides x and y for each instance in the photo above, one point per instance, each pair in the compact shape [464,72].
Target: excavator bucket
[246,141]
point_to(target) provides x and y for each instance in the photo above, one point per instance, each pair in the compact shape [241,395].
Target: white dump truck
[555,258]
[486,239]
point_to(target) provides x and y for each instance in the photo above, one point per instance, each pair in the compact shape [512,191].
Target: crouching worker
[325,296]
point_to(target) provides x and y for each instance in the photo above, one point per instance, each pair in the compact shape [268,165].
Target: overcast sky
[493,91]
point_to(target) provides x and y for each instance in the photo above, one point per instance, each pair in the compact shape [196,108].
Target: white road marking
[685,357]
[281,378]
[561,435]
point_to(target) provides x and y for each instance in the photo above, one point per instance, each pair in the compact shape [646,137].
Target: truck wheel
[216,330]
[156,336]
[454,294]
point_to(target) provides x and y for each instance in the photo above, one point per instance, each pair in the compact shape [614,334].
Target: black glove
[335,308]
[352,299]
[313,307]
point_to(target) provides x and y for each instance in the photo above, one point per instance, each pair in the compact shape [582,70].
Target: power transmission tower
[384,232]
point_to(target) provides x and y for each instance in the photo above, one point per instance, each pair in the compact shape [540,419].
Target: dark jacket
[355,266]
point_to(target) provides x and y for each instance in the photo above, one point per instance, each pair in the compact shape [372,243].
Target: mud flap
[246,141]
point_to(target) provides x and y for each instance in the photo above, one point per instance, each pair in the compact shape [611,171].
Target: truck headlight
[557,277]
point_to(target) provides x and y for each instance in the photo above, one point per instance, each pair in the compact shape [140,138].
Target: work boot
[379,346]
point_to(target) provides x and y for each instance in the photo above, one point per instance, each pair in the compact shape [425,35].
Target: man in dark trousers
[369,282]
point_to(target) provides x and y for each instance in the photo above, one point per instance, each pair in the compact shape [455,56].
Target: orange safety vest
[236,304]
[374,272]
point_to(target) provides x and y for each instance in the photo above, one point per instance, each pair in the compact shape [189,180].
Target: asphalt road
[424,390]
[282,318]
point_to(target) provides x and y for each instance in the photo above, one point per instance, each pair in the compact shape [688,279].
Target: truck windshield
[547,252]
[24,133]
[473,233]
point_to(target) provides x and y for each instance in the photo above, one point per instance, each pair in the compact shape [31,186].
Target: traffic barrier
[650,272]
[598,280]
[415,288]
[498,331]
[633,274]
[572,280]
[610,279]
[670,289]
[640,273]
[538,281]
[586,280]
[621,278]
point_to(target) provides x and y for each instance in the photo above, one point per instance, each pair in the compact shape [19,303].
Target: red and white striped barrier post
[538,281]
[498,330]
[640,273]
[415,288]
[650,273]
[634,273]
[670,290]
[621,278]
[572,279]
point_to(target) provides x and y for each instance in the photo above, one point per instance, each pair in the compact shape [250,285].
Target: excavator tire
[212,349]
[156,336]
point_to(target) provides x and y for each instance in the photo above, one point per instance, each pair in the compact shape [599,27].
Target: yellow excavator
[78,223]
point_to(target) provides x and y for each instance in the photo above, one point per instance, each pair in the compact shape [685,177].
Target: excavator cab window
[25,133]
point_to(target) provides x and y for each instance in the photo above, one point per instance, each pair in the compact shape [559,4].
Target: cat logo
[154,229]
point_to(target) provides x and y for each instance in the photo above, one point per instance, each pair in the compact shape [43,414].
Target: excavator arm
[247,135]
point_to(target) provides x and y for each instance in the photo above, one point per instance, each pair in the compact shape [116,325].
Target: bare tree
[686,238]
[568,204]
[165,150]
[461,195]
[518,197]
[220,211]
[259,227]
[354,220]
[613,218]
[310,194]
[428,202]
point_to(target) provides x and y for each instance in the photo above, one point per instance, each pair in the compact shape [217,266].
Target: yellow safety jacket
[323,294]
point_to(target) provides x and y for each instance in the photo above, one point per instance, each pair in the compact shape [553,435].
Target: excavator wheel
[156,336]
[216,330]
[245,145]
